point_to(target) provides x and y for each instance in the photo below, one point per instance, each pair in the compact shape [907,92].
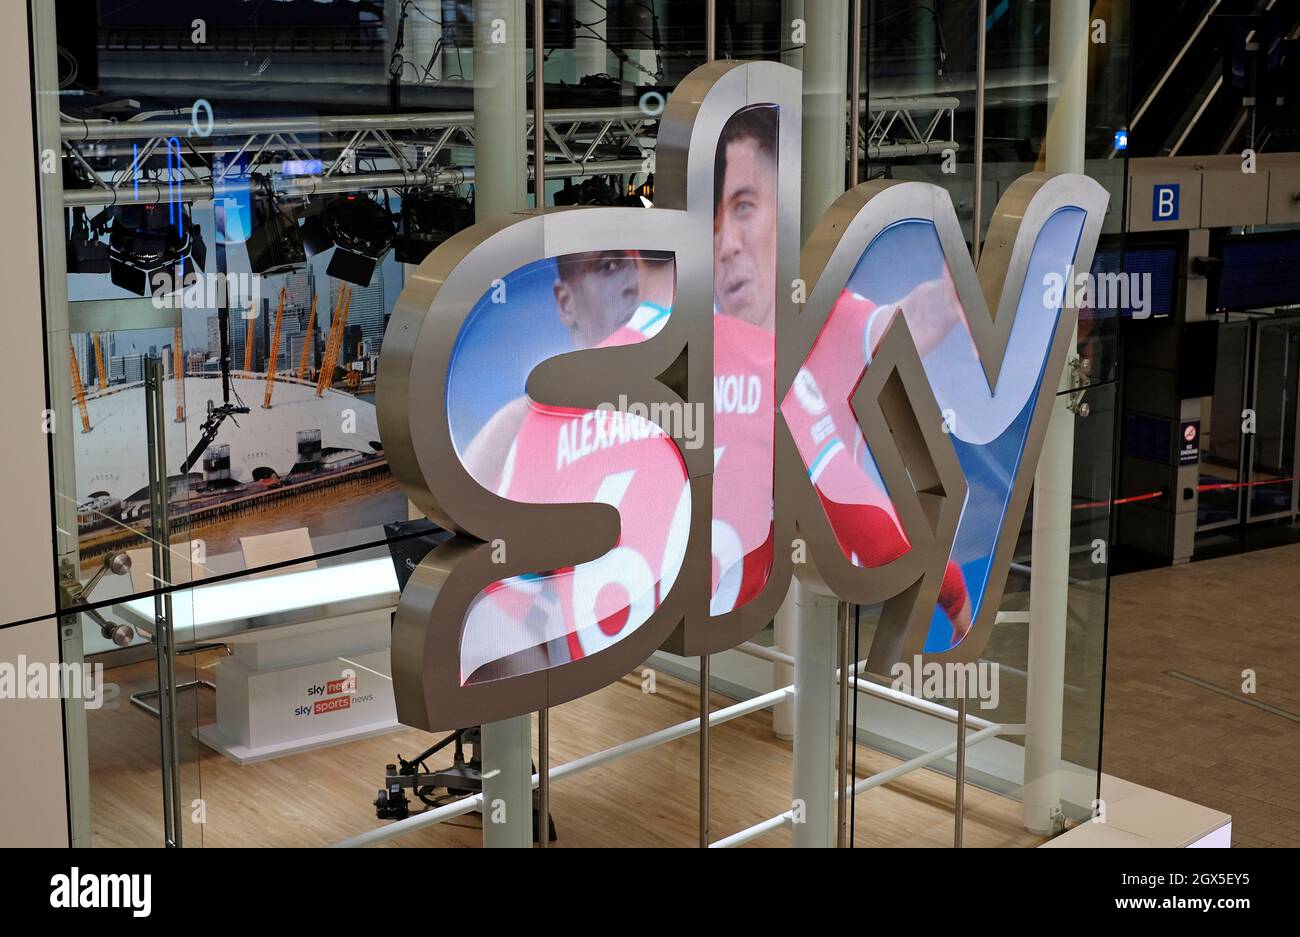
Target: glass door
[1221,435]
[1271,493]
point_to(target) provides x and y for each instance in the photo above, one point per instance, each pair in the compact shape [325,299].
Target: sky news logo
[104,890]
[345,685]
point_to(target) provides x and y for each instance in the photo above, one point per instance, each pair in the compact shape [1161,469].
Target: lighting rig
[597,190]
[359,228]
[275,245]
[144,239]
[428,218]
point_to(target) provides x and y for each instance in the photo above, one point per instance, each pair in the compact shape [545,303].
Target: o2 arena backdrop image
[306,455]
[299,446]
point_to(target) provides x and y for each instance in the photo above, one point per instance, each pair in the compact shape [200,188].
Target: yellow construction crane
[275,352]
[338,323]
[78,389]
[338,340]
[311,339]
[99,361]
[248,342]
[178,372]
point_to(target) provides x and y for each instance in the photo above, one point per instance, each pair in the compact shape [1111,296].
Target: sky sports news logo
[103,890]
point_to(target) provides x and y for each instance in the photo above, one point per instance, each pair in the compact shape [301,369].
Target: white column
[422,35]
[792,55]
[785,623]
[1049,576]
[825,109]
[500,102]
[815,708]
[501,167]
[507,783]
[825,137]
[1067,103]
[784,630]
[591,57]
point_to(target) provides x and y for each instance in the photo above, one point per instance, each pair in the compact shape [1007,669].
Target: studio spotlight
[428,218]
[361,231]
[593,191]
[86,253]
[276,243]
[145,239]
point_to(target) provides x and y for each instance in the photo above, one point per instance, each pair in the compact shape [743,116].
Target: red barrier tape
[1216,486]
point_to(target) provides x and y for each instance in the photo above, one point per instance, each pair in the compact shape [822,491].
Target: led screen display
[903,273]
[744,354]
[528,451]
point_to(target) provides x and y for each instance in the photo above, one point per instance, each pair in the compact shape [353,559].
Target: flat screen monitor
[1150,287]
[1259,272]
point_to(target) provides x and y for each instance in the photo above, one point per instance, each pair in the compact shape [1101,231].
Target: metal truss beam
[366,152]
[890,128]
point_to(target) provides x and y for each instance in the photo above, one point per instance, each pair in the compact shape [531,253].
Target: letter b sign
[1164,202]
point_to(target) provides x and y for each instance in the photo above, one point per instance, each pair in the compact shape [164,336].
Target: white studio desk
[310,656]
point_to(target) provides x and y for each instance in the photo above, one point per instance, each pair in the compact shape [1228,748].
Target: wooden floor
[1210,620]
[647,799]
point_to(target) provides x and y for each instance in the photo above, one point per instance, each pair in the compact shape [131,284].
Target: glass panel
[926,58]
[250,213]
[286,191]
[235,230]
[1003,684]
[920,78]
[147,733]
[1086,605]
[1272,454]
[289,220]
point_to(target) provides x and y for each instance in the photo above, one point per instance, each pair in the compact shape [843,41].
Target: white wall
[34,811]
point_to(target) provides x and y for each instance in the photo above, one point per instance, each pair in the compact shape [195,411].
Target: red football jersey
[826,432]
[744,428]
[564,455]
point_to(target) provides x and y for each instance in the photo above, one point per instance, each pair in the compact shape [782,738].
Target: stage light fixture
[593,191]
[427,219]
[145,239]
[361,231]
[276,242]
[86,252]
